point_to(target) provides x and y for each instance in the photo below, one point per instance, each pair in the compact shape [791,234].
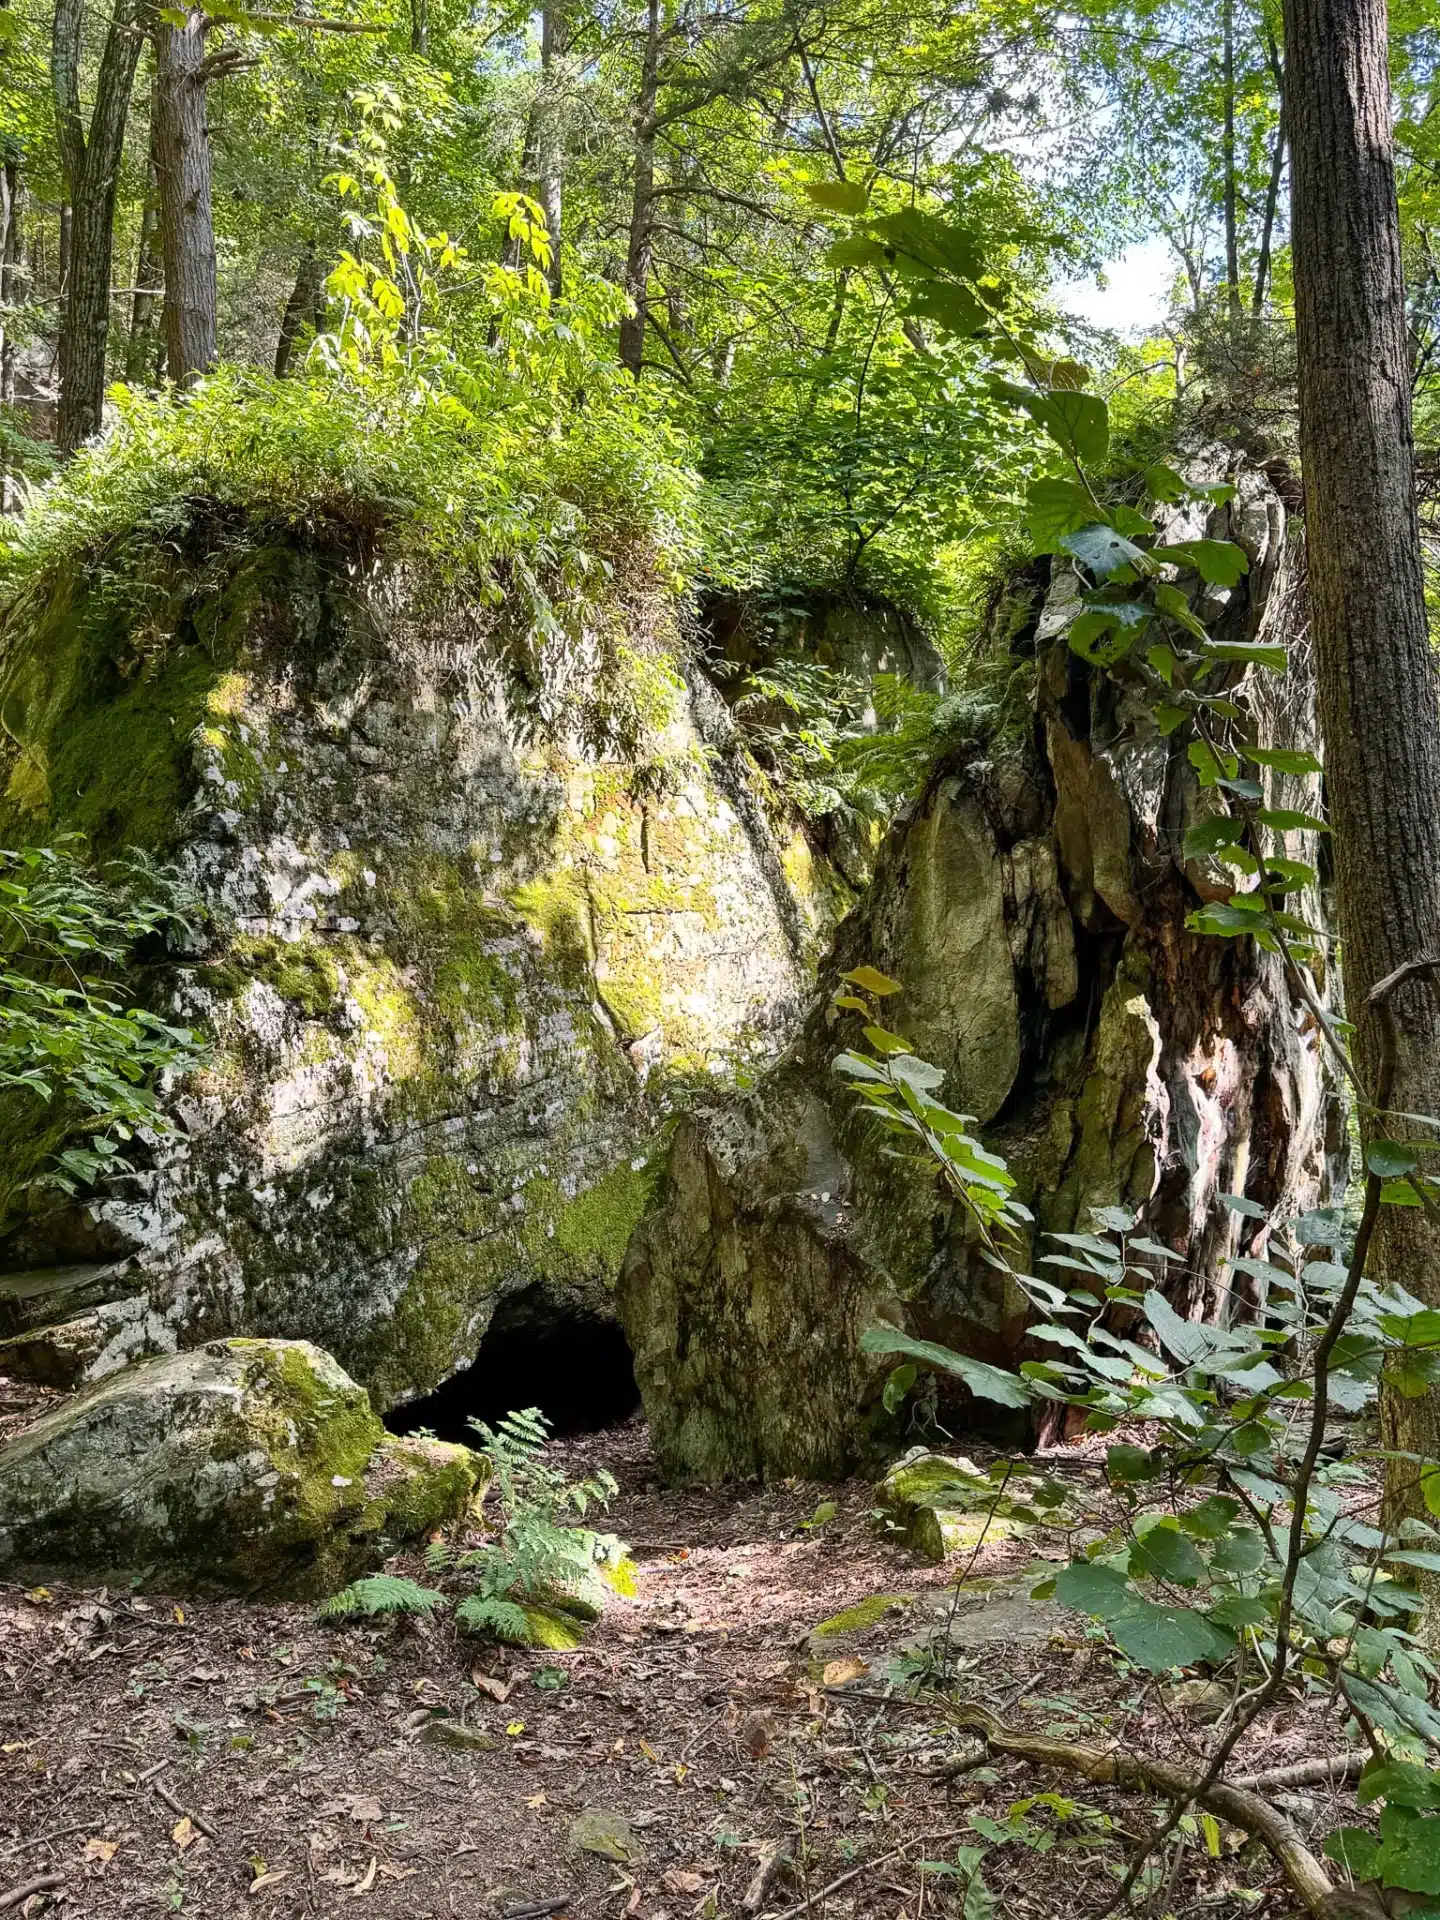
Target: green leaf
[1243,1552]
[1409,1854]
[883,1041]
[1055,508]
[1211,766]
[1355,1850]
[1288,820]
[1252,653]
[984,1381]
[1077,422]
[1219,563]
[1165,1553]
[1227,917]
[1087,637]
[1391,1159]
[838,196]
[856,251]
[1173,604]
[1091,1587]
[1209,836]
[871,981]
[1102,551]
[1403,1784]
[1237,1610]
[1129,1464]
[930,244]
[1284,759]
[1211,1519]
[1158,1638]
[950,307]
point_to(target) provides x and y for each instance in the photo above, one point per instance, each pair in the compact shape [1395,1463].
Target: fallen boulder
[244,1465]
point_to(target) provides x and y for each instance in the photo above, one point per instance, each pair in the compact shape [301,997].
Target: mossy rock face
[457,980]
[256,1466]
[1032,903]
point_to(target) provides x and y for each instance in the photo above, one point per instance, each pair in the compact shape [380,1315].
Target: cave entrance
[575,1367]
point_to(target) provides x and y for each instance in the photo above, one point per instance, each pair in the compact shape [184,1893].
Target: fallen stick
[1305,1773]
[1241,1808]
[42,1839]
[865,1866]
[195,1819]
[538,1909]
[771,1859]
[42,1883]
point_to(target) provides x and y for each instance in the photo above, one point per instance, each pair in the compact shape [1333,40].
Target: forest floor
[212,1758]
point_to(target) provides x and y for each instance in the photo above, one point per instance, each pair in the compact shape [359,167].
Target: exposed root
[1311,1884]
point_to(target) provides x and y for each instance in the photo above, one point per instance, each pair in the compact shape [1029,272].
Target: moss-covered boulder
[1032,902]
[460,964]
[257,1466]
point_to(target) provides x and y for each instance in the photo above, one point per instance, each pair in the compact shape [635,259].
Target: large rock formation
[1032,902]
[458,971]
[250,1465]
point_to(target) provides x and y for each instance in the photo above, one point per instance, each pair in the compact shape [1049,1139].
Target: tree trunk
[149,275]
[1272,189]
[642,207]
[1232,236]
[187,227]
[550,133]
[1377,686]
[91,166]
[300,310]
[12,265]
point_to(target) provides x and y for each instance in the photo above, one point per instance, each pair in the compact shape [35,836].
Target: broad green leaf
[1090,1587]
[1173,604]
[883,1041]
[1237,1610]
[948,306]
[856,251]
[1403,1784]
[1241,1552]
[1103,552]
[1101,637]
[1165,1553]
[872,981]
[1226,917]
[1409,1854]
[1211,1519]
[1355,1850]
[1284,759]
[925,242]
[1212,767]
[1129,1464]
[984,1381]
[1290,820]
[1055,508]
[1219,563]
[1251,653]
[1391,1159]
[1210,835]
[838,196]
[1158,1638]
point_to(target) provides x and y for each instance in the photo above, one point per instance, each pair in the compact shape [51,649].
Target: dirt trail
[217,1758]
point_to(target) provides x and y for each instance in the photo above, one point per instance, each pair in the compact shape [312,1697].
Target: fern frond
[378,1594]
[482,1614]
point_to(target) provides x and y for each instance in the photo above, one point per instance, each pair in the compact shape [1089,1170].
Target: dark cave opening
[575,1367]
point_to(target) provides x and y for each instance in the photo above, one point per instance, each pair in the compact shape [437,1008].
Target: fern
[377,1595]
[482,1613]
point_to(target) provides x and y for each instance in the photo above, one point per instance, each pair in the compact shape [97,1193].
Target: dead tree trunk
[12,265]
[187,227]
[1375,665]
[91,165]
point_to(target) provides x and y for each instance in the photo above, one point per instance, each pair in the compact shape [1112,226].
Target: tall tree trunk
[1272,190]
[642,206]
[187,227]
[301,310]
[1377,685]
[1232,234]
[149,274]
[92,171]
[12,265]
[420,26]
[550,132]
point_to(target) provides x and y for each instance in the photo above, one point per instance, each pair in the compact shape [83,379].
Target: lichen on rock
[1032,903]
[256,1466]
[459,970]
